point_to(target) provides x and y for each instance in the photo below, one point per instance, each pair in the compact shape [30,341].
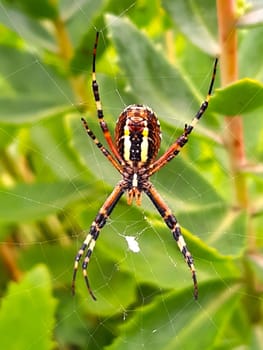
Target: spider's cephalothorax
[133,153]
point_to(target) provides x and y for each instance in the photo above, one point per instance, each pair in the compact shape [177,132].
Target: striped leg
[104,150]
[90,241]
[173,225]
[95,89]
[175,148]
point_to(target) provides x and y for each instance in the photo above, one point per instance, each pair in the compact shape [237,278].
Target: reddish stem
[234,138]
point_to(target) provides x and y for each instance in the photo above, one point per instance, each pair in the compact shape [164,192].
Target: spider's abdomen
[138,134]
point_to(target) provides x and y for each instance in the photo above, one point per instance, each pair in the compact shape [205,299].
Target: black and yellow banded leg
[204,105]
[100,114]
[90,240]
[88,244]
[174,226]
[179,143]
[104,150]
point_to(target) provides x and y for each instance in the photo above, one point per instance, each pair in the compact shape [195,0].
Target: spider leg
[90,240]
[100,114]
[175,148]
[104,150]
[174,226]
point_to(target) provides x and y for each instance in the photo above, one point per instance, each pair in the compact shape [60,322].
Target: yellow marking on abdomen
[127,143]
[144,145]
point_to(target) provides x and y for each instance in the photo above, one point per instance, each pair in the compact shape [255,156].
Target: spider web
[122,248]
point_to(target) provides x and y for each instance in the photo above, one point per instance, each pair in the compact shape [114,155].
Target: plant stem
[234,138]
[233,135]
[8,257]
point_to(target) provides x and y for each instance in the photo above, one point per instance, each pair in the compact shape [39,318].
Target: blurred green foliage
[53,180]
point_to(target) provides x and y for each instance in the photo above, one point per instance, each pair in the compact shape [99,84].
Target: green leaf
[27,109]
[95,11]
[240,97]
[27,314]
[30,30]
[197,22]
[219,226]
[105,277]
[186,185]
[39,10]
[250,64]
[7,135]
[173,321]
[25,202]
[159,261]
[23,100]
[153,80]
[51,142]
[237,330]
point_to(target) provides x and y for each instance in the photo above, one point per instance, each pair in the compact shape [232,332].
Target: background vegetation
[53,179]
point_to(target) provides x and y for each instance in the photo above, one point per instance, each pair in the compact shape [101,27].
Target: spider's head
[138,134]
